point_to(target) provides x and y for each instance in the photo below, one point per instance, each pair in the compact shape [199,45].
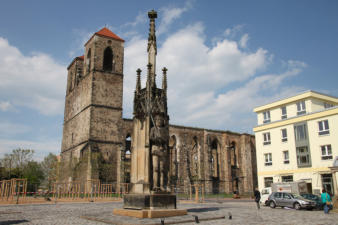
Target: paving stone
[101,213]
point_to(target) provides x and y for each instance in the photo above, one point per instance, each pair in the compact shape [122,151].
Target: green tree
[15,162]
[49,166]
[34,174]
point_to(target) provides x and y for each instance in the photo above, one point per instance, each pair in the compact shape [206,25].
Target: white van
[265,193]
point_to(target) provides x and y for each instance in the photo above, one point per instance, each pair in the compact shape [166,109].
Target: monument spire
[138,80]
[152,48]
[164,79]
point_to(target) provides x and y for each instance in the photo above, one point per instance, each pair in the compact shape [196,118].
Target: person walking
[257,197]
[326,201]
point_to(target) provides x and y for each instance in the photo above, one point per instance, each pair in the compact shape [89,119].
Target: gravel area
[208,213]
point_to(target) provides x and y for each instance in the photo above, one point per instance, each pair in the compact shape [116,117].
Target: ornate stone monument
[150,194]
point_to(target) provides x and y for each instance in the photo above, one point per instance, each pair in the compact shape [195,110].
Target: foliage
[15,162]
[20,164]
[105,169]
[49,166]
[34,174]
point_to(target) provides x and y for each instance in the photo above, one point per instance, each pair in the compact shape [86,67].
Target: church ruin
[97,142]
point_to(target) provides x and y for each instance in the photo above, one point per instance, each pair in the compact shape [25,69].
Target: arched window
[108,59]
[233,154]
[126,158]
[214,158]
[88,62]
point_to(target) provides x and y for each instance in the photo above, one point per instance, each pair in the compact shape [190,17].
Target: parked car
[284,199]
[316,198]
[265,193]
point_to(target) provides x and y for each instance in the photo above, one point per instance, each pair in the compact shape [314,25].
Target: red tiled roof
[108,33]
[76,58]
[105,32]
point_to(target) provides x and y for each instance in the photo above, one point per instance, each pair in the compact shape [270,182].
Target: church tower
[93,111]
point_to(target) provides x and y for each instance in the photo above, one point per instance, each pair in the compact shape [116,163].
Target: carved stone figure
[159,136]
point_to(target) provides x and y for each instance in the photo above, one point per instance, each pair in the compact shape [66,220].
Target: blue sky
[224,58]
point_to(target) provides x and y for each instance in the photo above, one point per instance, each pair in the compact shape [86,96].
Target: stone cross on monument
[150,142]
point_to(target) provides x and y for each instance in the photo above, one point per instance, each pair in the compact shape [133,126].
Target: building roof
[105,32]
[303,95]
[76,58]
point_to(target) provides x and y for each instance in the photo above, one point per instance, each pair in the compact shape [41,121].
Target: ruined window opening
[71,81]
[195,155]
[233,155]
[88,62]
[108,59]
[214,159]
[126,159]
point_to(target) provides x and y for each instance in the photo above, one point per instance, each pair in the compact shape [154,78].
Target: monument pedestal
[149,201]
[149,206]
[144,213]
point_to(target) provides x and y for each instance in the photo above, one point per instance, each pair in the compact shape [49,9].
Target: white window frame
[327,155]
[266,138]
[268,159]
[266,117]
[284,139]
[286,160]
[301,108]
[284,116]
[323,127]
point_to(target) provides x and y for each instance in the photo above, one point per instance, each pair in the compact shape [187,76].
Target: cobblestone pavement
[92,213]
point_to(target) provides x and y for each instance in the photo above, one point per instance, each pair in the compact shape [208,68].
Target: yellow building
[297,139]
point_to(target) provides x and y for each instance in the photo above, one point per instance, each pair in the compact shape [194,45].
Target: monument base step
[149,201]
[145,213]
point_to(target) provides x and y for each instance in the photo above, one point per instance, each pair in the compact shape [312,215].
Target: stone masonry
[96,141]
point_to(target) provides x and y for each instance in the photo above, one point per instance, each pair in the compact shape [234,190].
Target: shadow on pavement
[203,209]
[8,222]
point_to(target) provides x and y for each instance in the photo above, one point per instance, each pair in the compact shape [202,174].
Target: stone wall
[95,135]
[191,150]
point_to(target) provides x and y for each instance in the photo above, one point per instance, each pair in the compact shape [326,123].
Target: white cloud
[140,19]
[231,32]
[36,81]
[202,78]
[170,14]
[244,40]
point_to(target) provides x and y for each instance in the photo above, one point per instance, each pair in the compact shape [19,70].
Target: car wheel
[272,204]
[297,206]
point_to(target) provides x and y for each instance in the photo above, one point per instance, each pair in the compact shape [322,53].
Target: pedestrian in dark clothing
[257,197]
